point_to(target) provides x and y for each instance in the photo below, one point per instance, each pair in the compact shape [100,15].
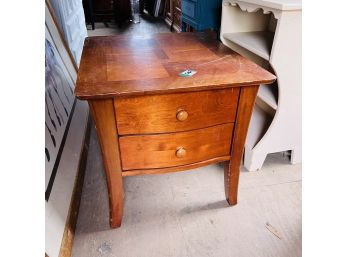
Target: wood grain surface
[159,151]
[104,117]
[125,65]
[190,166]
[161,113]
[232,167]
[151,120]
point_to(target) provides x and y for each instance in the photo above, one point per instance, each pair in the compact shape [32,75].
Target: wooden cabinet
[106,11]
[201,14]
[98,11]
[177,15]
[151,120]
[173,15]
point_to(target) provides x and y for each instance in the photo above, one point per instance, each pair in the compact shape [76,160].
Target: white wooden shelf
[268,94]
[257,42]
[259,123]
[284,5]
[268,32]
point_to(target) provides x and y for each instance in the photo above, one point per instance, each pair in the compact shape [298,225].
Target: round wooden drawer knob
[180,152]
[181,115]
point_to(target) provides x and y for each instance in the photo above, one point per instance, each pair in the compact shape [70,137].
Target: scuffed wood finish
[104,117]
[232,167]
[175,168]
[175,112]
[160,151]
[123,65]
[150,120]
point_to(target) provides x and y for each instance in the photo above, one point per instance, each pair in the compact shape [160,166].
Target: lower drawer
[174,149]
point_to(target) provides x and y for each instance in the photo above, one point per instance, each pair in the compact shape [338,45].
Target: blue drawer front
[188,8]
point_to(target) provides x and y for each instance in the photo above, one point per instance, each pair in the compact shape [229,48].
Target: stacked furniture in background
[123,11]
[98,11]
[201,14]
[107,10]
[154,7]
[269,33]
[173,14]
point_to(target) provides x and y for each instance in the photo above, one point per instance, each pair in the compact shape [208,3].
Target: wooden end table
[150,120]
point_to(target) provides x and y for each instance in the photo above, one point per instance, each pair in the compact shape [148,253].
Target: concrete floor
[185,213]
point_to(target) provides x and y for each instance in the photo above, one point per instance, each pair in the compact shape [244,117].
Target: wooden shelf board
[268,94]
[285,5]
[257,42]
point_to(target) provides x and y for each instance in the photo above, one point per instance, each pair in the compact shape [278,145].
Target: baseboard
[69,231]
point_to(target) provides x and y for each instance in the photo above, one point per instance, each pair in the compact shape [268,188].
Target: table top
[128,65]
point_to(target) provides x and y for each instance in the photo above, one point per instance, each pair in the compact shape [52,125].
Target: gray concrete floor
[185,213]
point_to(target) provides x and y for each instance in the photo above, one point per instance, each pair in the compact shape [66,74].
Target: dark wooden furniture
[98,11]
[89,12]
[106,11]
[173,14]
[177,15]
[151,120]
[123,11]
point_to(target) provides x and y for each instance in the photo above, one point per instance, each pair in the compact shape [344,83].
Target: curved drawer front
[175,112]
[174,149]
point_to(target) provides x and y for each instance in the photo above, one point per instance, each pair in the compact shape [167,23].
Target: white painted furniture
[58,203]
[269,33]
[71,18]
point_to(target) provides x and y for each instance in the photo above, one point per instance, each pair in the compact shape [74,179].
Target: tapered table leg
[232,168]
[105,120]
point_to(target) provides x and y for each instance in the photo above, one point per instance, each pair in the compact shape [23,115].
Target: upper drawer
[175,112]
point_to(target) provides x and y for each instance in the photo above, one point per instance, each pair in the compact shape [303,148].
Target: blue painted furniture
[201,14]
